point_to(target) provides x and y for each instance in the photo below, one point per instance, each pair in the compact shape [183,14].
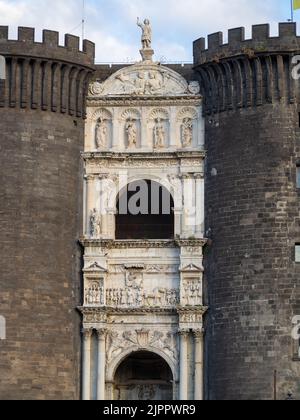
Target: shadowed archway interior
[145,210]
[143,376]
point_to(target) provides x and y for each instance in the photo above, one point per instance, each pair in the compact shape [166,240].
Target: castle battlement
[247,73]
[49,48]
[45,75]
[261,42]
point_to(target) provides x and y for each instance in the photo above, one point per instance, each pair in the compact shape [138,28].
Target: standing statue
[146,33]
[187,132]
[98,227]
[101,134]
[159,134]
[131,133]
[93,220]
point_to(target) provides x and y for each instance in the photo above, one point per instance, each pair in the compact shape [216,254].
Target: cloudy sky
[111,24]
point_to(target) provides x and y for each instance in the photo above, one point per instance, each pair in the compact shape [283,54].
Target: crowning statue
[146,51]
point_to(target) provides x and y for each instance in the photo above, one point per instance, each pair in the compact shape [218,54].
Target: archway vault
[143,374]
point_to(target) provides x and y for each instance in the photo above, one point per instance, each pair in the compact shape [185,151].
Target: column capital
[87,333]
[184,332]
[101,333]
[89,177]
[198,334]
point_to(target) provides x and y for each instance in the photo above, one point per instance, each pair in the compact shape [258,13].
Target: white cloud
[111,23]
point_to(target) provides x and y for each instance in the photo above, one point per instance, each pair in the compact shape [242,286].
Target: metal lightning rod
[83,19]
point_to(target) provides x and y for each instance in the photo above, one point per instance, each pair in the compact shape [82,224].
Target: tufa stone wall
[42,105]
[252,213]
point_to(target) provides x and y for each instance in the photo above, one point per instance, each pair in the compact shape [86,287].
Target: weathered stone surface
[41,221]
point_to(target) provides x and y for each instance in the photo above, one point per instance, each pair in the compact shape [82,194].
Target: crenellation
[215,40]
[261,33]
[260,42]
[50,38]
[72,42]
[26,34]
[236,35]
[3,33]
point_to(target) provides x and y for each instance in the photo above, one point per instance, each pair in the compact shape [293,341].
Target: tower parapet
[247,72]
[44,75]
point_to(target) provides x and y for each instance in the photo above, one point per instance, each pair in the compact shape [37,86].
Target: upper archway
[145,210]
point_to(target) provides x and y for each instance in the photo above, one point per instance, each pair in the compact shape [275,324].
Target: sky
[111,24]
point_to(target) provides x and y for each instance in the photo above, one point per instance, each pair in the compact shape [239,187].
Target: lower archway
[143,376]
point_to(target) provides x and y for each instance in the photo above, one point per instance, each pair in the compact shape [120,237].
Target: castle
[191,297]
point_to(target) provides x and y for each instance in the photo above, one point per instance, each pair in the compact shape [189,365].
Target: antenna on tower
[83,19]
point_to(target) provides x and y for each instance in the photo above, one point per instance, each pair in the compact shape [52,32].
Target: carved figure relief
[165,341]
[187,132]
[159,134]
[192,292]
[101,134]
[135,297]
[131,131]
[146,33]
[94,293]
[95,224]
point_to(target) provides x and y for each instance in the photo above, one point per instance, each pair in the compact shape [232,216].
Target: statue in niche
[93,222]
[131,133]
[98,227]
[146,33]
[101,134]
[187,132]
[159,134]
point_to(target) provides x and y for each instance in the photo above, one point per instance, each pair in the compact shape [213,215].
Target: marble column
[101,365]
[183,387]
[86,364]
[199,206]
[199,377]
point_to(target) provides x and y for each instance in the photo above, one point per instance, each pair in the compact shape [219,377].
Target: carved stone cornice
[99,314]
[192,310]
[145,101]
[147,243]
[137,155]
[191,242]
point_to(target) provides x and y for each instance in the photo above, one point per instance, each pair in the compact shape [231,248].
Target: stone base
[147,54]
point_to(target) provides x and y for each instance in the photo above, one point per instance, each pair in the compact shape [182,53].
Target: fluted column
[199,377]
[86,365]
[101,364]
[183,388]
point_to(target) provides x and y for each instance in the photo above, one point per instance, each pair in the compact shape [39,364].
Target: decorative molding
[142,80]
[187,112]
[103,114]
[191,268]
[95,268]
[126,244]
[143,338]
[133,101]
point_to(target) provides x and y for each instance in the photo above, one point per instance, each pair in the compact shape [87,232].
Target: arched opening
[145,210]
[143,376]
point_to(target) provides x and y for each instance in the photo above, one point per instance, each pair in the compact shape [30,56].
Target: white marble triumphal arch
[143,271]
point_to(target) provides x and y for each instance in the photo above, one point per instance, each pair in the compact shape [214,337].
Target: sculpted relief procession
[143,300]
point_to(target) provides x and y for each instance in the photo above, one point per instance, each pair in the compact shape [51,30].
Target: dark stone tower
[252,208]
[42,109]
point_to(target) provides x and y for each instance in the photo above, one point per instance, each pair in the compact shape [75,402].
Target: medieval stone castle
[191,296]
